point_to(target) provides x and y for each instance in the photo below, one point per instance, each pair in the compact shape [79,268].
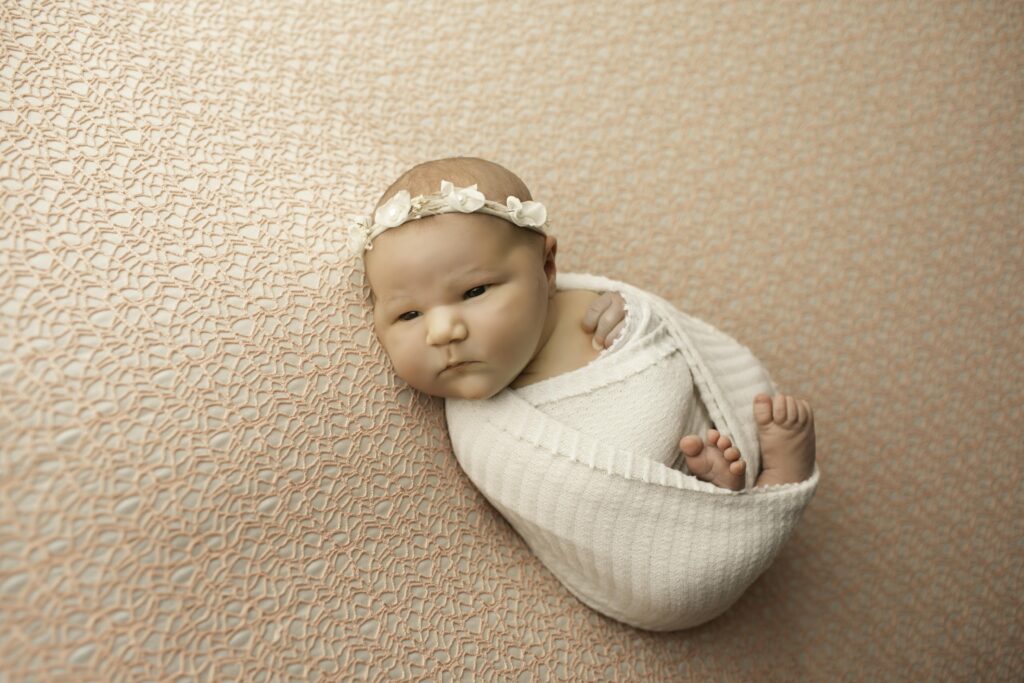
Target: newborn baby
[466,306]
[577,447]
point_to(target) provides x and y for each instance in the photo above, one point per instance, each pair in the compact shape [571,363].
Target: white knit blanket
[632,538]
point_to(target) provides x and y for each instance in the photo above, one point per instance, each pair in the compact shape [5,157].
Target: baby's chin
[470,394]
[469,390]
[479,395]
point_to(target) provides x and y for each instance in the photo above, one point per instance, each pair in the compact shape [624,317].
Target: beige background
[207,470]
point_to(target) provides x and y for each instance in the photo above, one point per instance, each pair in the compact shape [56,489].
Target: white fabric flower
[464,199]
[395,211]
[526,213]
[358,233]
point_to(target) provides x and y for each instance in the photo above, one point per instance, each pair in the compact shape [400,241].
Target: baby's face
[459,287]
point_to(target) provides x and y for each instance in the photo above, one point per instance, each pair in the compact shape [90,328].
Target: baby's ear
[550,251]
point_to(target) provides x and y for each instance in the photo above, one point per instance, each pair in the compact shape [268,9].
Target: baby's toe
[779,409]
[691,445]
[731,454]
[803,410]
[763,409]
[792,414]
[738,467]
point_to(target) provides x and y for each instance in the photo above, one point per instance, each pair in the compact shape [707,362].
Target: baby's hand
[605,318]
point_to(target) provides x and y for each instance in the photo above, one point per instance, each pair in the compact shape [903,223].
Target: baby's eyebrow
[401,295]
[392,300]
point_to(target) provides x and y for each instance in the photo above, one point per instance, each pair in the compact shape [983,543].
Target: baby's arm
[605,317]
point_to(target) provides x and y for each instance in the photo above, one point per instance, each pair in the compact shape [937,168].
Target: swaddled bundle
[627,534]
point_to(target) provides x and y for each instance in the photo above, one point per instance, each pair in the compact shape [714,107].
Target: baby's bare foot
[718,462]
[785,428]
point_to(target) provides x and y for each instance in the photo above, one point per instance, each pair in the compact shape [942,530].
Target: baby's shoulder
[575,341]
[572,299]
[570,345]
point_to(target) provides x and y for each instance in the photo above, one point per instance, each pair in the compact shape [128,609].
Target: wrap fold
[632,538]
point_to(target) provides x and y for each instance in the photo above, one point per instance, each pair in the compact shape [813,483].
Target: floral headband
[402,208]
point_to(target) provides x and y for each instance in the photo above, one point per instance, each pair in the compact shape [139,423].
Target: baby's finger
[595,310]
[612,316]
[609,322]
[614,334]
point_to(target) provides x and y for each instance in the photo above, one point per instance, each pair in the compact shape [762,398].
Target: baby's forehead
[473,236]
[390,259]
[391,264]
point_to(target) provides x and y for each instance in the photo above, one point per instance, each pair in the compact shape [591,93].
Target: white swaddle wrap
[579,464]
[597,398]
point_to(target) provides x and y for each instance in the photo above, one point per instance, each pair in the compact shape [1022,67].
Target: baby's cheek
[390,349]
[407,358]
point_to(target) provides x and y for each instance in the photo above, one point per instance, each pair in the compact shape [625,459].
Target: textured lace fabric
[209,470]
[588,399]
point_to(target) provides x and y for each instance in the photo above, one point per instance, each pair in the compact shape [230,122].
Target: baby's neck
[546,346]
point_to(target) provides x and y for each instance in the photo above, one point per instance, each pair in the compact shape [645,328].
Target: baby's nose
[444,328]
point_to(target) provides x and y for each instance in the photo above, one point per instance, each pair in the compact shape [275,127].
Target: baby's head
[457,286]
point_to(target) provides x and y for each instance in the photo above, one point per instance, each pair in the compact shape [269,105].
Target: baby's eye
[481,287]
